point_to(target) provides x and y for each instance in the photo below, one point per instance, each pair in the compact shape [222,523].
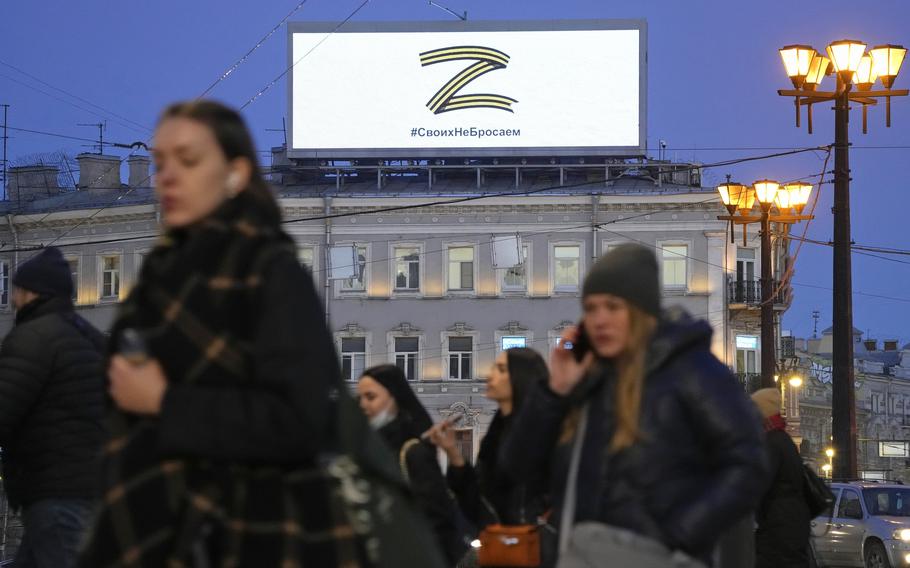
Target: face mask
[382,418]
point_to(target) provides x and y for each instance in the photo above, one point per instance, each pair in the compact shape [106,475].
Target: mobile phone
[450,421]
[131,345]
[581,345]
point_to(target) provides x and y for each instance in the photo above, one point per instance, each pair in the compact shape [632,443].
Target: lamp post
[789,202]
[848,60]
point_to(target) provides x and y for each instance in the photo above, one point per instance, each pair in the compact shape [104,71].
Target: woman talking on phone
[663,450]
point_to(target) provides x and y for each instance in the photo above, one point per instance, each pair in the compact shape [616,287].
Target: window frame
[557,289]
[339,342]
[8,288]
[393,270]
[685,260]
[315,247]
[339,289]
[504,290]
[446,353]
[418,365]
[101,256]
[447,268]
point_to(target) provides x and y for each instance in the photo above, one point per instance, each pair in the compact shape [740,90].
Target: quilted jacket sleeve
[24,369]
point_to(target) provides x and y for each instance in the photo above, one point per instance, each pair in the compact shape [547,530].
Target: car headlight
[902,534]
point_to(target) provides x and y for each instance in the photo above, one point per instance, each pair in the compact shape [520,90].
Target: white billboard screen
[391,90]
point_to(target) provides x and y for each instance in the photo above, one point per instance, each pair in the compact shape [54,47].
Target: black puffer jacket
[52,404]
[699,466]
[782,538]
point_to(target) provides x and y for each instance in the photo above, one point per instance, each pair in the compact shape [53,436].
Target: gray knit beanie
[630,272]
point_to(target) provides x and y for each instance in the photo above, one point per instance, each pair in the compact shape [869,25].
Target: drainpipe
[325,267]
[12,228]
[595,202]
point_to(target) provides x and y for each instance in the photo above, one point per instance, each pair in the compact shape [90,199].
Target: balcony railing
[748,292]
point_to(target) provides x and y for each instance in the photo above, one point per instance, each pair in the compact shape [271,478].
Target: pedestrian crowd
[202,431]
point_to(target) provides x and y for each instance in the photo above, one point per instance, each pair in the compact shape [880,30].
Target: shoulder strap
[568,505]
[403,457]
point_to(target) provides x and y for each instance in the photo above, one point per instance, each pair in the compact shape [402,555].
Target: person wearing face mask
[662,449]
[222,375]
[394,411]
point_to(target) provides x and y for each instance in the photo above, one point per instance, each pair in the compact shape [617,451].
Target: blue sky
[713,74]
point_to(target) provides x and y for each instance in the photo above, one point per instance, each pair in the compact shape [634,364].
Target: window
[746,354]
[4,283]
[893,449]
[406,351]
[512,341]
[74,274]
[566,267]
[674,260]
[110,276]
[849,505]
[515,279]
[745,265]
[407,268]
[461,268]
[461,349]
[307,257]
[358,282]
[353,357]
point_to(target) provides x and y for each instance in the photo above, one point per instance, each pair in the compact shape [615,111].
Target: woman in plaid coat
[221,372]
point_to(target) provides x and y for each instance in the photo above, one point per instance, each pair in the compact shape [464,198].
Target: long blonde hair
[630,379]
[630,369]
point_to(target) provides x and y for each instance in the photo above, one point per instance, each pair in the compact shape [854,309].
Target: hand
[138,389]
[565,371]
[442,436]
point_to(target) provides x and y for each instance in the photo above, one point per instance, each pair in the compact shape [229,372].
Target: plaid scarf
[197,303]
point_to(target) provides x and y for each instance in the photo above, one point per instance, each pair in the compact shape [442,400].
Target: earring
[232,184]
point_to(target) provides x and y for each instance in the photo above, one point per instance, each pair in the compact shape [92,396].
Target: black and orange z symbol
[447,98]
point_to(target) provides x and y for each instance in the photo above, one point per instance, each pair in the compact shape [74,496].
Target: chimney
[871,344]
[139,171]
[28,183]
[890,345]
[98,171]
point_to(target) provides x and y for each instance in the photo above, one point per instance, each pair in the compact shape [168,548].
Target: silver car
[868,527]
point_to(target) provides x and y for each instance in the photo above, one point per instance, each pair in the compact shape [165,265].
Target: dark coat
[698,467]
[52,397]
[238,328]
[487,494]
[421,469]
[782,538]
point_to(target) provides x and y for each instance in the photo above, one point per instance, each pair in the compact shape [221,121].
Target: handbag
[588,544]
[818,495]
[510,545]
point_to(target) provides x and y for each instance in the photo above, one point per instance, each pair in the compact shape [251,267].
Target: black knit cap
[46,274]
[630,272]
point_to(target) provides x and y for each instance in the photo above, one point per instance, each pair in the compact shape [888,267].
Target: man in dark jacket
[51,412]
[782,537]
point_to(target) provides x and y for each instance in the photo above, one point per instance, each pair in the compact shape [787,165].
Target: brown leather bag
[510,545]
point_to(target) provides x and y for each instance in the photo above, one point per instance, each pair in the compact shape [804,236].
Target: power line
[64,101]
[246,55]
[286,71]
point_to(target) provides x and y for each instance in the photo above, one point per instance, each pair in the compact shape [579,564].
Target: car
[868,527]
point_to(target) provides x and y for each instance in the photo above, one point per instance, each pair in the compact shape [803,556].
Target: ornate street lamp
[851,65]
[738,198]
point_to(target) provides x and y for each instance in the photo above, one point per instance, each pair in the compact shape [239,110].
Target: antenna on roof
[462,17]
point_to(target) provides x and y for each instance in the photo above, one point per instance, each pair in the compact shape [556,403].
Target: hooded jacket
[698,466]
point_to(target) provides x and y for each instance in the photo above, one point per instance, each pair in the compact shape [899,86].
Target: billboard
[467,89]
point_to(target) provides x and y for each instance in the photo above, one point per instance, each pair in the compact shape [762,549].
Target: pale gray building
[426,293]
